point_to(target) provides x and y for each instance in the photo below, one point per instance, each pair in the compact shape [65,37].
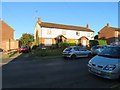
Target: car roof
[113,46]
[75,46]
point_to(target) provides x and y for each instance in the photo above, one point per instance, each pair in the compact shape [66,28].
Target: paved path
[7,60]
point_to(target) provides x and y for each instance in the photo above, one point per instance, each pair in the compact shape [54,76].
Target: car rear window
[24,46]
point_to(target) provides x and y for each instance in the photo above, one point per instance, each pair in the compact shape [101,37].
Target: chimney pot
[108,25]
[87,26]
[39,20]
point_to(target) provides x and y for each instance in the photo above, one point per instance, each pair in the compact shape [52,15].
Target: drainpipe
[9,44]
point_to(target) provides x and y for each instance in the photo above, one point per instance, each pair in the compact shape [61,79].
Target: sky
[22,16]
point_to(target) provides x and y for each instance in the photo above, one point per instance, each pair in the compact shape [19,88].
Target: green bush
[63,45]
[48,52]
[43,52]
[13,53]
[35,47]
[97,42]
[102,42]
[93,43]
[71,42]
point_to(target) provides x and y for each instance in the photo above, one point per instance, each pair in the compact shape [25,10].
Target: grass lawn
[6,55]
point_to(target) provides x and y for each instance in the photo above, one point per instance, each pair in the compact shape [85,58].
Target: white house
[52,33]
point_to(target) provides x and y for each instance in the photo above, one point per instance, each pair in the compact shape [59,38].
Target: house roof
[62,26]
[116,29]
[110,28]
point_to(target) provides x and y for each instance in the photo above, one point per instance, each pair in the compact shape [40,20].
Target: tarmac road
[27,72]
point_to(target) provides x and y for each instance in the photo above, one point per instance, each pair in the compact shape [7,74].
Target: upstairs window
[49,32]
[63,32]
[88,34]
[77,33]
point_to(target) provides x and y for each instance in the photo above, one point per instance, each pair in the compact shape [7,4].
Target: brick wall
[7,31]
[107,33]
[7,37]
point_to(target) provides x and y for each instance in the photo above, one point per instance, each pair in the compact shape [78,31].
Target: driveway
[27,72]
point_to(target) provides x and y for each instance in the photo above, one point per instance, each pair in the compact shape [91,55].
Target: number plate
[95,70]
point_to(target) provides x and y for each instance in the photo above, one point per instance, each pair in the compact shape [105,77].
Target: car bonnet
[100,60]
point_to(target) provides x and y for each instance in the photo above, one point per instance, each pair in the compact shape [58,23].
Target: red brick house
[111,34]
[7,41]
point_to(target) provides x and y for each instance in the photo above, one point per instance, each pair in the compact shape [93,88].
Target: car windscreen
[111,52]
[68,49]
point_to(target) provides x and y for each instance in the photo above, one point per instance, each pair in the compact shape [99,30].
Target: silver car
[97,49]
[107,63]
[76,52]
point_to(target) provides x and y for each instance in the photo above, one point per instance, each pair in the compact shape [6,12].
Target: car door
[83,52]
[119,66]
[76,51]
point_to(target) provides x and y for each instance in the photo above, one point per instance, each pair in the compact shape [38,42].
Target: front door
[84,42]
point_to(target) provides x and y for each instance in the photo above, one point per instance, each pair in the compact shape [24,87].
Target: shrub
[43,52]
[48,52]
[97,42]
[71,42]
[63,45]
[35,47]
[13,53]
[93,43]
[102,42]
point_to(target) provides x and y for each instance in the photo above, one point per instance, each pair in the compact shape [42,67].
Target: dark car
[24,49]
[1,50]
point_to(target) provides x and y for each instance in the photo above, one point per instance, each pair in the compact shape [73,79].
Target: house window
[63,32]
[77,33]
[92,37]
[88,34]
[48,42]
[116,33]
[49,32]
[92,34]
[12,45]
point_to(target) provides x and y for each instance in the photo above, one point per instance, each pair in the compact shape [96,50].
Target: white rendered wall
[70,34]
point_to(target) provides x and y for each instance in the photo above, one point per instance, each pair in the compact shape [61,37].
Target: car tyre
[73,57]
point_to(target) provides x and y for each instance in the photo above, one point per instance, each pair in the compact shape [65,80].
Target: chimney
[107,25]
[87,26]
[39,20]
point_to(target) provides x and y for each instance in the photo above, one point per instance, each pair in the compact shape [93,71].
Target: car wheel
[73,57]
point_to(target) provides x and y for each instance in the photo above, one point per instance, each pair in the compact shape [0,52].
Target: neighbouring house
[110,34]
[49,34]
[7,41]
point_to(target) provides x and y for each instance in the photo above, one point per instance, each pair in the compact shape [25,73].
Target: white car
[76,52]
[107,63]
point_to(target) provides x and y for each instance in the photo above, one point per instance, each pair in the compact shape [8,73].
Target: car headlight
[110,67]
